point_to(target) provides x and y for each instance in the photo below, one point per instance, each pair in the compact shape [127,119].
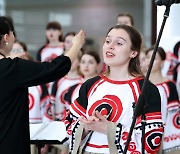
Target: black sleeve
[151,97]
[83,92]
[173,95]
[68,94]
[175,72]
[29,73]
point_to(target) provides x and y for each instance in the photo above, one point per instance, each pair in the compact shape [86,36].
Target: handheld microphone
[166,2]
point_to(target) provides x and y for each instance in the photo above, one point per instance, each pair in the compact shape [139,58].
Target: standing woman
[16,75]
[54,45]
[170,105]
[101,116]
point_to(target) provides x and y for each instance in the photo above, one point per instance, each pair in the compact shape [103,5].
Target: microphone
[166,2]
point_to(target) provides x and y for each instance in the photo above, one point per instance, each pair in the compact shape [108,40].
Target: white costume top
[58,95]
[170,107]
[39,104]
[115,99]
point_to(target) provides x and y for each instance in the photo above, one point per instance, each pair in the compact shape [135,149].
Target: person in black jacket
[16,75]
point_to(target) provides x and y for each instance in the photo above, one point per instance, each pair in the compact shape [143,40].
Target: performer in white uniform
[101,116]
[54,46]
[39,104]
[170,105]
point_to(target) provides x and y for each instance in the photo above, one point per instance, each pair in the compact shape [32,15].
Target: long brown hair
[135,37]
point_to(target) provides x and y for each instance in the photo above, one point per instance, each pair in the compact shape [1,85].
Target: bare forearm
[73,52]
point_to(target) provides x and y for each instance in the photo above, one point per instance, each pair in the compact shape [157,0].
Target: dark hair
[22,44]
[69,34]
[176,49]
[160,51]
[127,15]
[5,26]
[93,54]
[10,19]
[55,25]
[135,37]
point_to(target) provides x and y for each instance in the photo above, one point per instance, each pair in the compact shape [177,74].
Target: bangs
[53,25]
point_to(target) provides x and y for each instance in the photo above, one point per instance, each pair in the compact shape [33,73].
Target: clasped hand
[96,122]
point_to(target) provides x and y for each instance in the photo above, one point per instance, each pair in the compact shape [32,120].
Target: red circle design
[31,101]
[115,104]
[176,120]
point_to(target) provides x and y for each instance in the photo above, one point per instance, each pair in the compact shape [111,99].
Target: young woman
[170,105]
[142,59]
[16,76]
[54,45]
[101,116]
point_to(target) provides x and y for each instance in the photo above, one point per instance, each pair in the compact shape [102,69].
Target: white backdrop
[171,32]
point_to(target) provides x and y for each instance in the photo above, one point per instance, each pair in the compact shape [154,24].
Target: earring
[6,43]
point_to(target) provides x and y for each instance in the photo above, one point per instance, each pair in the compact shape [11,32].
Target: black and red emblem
[109,105]
[153,140]
[176,120]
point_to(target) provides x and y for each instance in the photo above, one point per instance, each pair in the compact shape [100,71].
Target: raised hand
[79,39]
[78,42]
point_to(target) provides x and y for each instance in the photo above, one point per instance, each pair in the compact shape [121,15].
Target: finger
[99,116]
[81,118]
[81,32]
[85,121]
[93,118]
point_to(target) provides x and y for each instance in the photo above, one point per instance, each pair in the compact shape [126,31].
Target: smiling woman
[101,116]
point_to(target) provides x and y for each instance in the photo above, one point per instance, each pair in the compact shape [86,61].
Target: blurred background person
[142,61]
[68,40]
[54,45]
[125,19]
[89,66]
[170,106]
